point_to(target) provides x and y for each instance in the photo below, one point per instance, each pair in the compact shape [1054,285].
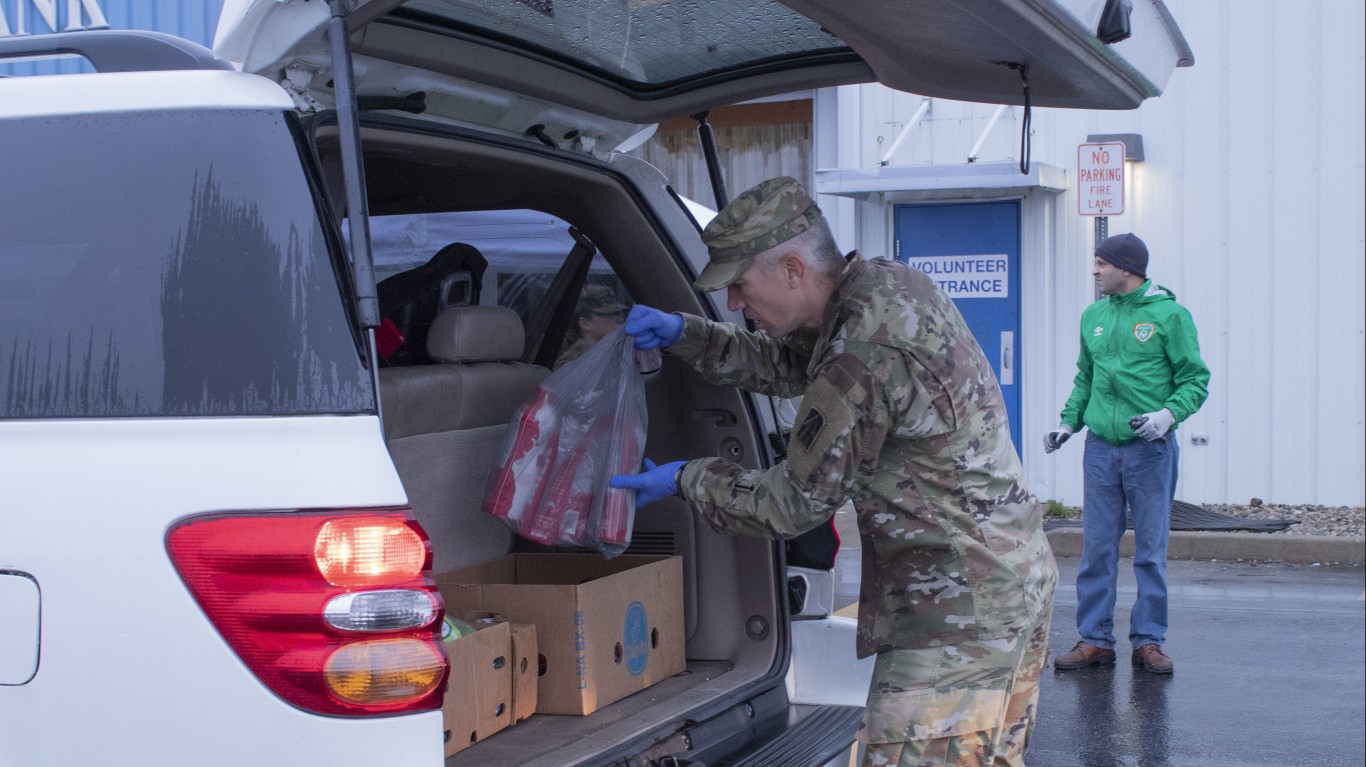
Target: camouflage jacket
[572,352]
[901,414]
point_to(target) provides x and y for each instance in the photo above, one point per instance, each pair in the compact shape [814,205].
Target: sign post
[1100,185]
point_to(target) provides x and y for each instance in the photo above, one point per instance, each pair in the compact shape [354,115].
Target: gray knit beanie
[1125,251]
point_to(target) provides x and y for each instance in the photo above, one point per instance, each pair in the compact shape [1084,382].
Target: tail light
[336,612]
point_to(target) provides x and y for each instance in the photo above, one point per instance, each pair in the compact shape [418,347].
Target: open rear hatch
[611,67]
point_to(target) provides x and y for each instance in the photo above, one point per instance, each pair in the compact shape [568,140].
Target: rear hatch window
[168,264]
[638,45]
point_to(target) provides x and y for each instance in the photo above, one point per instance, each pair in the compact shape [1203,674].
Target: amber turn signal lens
[368,551]
[384,671]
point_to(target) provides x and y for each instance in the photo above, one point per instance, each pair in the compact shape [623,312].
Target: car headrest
[476,334]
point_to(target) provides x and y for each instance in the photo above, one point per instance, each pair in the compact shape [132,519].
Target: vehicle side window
[428,262]
[168,264]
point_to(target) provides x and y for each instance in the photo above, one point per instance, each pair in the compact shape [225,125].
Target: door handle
[1007,358]
[717,416]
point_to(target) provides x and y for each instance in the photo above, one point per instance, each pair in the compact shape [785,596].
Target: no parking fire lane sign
[1100,179]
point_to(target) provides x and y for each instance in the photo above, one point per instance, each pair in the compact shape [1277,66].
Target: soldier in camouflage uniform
[902,414]
[597,313]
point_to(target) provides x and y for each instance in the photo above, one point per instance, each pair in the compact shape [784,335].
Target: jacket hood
[1147,293]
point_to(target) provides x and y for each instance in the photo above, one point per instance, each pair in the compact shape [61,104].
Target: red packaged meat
[585,423]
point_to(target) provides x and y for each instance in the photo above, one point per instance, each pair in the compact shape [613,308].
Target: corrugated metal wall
[749,154]
[191,19]
[1251,200]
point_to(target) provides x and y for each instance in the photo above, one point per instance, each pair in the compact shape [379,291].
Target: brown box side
[633,624]
[579,605]
[525,671]
[478,699]
[572,569]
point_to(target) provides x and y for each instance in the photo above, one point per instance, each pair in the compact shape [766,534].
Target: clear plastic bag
[585,423]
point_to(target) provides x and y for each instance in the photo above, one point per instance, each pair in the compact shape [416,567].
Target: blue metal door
[972,250]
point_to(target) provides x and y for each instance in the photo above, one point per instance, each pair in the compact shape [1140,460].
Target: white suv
[223,495]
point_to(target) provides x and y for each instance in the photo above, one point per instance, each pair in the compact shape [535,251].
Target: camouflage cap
[762,217]
[598,299]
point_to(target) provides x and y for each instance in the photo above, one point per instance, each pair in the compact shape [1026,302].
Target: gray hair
[816,246]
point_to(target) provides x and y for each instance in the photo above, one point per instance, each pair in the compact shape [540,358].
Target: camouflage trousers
[968,705]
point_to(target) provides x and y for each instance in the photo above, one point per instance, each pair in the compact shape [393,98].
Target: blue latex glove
[653,329]
[652,484]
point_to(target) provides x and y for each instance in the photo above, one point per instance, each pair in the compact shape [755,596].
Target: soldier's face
[767,299]
[1110,279]
[596,325]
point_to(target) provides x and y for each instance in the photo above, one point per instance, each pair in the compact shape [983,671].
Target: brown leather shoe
[1152,659]
[1084,655]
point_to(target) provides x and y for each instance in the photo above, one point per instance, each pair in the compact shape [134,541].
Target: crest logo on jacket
[1143,331]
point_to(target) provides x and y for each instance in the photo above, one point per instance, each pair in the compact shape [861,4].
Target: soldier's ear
[794,268]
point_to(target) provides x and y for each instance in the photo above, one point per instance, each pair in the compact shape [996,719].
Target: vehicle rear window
[640,42]
[168,264]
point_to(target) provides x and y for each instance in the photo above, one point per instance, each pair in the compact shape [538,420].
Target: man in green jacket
[1138,375]
[901,414]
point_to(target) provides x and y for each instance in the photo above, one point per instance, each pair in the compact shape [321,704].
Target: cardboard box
[478,698]
[492,684]
[606,627]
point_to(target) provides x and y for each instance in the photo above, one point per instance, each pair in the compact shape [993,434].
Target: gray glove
[1153,426]
[1054,439]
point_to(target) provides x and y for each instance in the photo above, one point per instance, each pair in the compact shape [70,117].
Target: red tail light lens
[266,581]
[369,551]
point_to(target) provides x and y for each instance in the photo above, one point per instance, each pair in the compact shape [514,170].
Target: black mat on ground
[1190,516]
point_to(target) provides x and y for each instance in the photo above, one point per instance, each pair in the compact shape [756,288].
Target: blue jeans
[1140,475]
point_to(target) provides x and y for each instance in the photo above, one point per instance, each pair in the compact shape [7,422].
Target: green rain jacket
[1139,354]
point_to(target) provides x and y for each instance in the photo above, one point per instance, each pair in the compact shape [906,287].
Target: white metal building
[1251,195]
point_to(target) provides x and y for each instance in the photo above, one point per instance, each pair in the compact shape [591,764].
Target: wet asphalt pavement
[1270,667]
[1270,671]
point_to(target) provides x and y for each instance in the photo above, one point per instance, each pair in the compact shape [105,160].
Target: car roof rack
[117,50]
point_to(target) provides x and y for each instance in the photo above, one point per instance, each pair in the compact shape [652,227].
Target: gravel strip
[1336,521]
